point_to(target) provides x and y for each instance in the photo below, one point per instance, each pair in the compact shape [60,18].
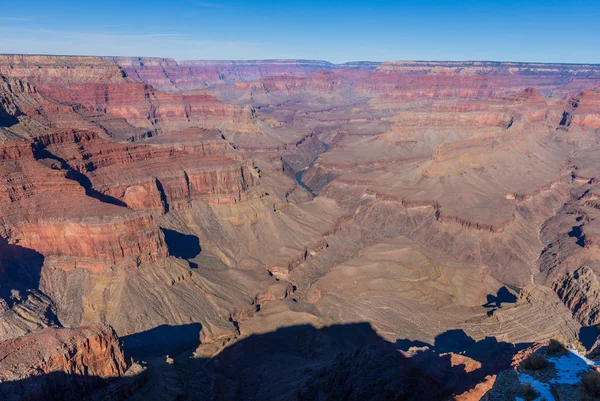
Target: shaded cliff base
[339,362]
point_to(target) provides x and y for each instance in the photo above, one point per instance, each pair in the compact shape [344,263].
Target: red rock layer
[59,363]
[101,85]
[21,101]
[111,241]
[584,111]
[45,211]
[162,174]
[398,80]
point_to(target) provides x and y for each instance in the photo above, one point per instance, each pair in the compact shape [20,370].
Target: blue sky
[338,31]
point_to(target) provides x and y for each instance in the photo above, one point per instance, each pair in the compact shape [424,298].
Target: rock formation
[59,364]
[579,291]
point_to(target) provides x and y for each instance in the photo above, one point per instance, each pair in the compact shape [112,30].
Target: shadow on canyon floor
[60,386]
[576,232]
[340,362]
[185,246]
[162,341]
[502,296]
[7,121]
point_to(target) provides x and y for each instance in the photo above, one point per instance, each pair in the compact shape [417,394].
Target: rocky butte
[296,229]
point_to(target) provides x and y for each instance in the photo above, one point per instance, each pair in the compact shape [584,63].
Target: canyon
[292,229]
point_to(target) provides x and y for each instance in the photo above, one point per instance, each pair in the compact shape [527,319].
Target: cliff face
[48,210]
[580,292]
[80,208]
[162,172]
[413,81]
[109,240]
[60,69]
[59,363]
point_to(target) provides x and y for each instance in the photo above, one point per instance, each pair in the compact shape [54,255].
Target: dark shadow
[566,119]
[453,341]
[163,195]
[185,246]
[492,355]
[576,232]
[60,386]
[7,121]
[340,362]
[502,296]
[41,153]
[22,268]
[588,336]
[85,182]
[162,340]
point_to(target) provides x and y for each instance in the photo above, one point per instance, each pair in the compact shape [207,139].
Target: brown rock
[59,363]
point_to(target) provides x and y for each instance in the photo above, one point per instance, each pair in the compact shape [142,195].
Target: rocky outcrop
[25,312]
[109,240]
[580,292]
[59,364]
[582,111]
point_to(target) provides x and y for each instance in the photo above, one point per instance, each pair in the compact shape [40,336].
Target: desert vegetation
[535,362]
[556,348]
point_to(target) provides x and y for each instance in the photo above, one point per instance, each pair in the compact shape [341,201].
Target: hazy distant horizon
[301,59]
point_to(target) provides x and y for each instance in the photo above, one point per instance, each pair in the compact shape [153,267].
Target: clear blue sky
[334,30]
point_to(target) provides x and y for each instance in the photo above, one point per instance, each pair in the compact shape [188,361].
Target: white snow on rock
[569,370]
[540,387]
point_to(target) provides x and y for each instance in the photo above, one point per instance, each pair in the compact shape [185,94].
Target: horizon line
[306,60]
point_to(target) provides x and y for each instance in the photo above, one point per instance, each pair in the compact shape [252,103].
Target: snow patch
[570,367]
[542,388]
[569,370]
